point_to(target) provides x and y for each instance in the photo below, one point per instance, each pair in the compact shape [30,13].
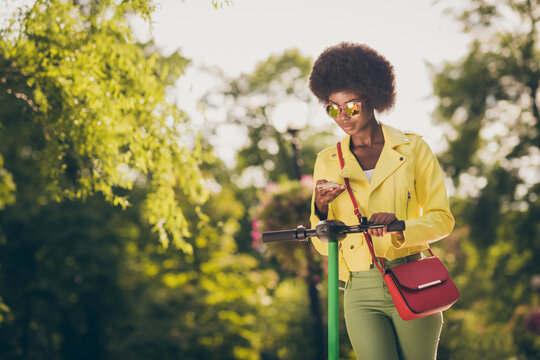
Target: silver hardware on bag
[429,284]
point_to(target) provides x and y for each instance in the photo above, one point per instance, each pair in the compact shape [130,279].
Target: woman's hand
[325,196]
[382,218]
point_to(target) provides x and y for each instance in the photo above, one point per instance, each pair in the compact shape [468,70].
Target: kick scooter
[330,231]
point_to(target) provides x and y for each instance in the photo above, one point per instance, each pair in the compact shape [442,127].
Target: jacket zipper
[407,208]
[395,192]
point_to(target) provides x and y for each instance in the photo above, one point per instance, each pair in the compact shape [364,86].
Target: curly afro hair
[356,68]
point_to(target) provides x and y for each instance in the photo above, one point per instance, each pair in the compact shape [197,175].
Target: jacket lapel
[390,160]
[351,168]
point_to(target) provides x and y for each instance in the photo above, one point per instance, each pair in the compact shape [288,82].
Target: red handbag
[418,288]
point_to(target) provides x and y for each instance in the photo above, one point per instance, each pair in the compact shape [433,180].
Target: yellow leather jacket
[407,181]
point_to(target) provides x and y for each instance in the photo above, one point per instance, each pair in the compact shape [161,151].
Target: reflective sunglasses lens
[353,108]
[332,110]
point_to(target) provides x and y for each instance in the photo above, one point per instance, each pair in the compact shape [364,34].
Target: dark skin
[367,142]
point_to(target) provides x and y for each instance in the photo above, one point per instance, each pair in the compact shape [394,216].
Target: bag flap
[420,274]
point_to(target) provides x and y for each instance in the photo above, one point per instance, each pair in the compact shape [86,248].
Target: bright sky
[234,38]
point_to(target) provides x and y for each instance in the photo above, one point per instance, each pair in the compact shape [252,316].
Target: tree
[87,280]
[85,128]
[488,102]
[267,157]
[60,278]
[97,102]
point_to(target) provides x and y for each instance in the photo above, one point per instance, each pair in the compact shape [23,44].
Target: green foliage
[269,154]
[85,122]
[7,186]
[253,100]
[85,128]
[98,102]
[86,280]
[488,102]
[59,279]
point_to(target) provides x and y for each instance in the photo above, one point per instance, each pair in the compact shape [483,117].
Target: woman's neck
[369,135]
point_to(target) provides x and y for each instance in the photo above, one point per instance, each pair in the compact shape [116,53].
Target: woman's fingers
[324,196]
[381,218]
[377,232]
[330,194]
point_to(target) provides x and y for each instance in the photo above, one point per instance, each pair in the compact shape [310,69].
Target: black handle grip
[396,225]
[283,235]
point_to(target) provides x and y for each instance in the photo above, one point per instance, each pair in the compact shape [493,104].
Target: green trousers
[375,329]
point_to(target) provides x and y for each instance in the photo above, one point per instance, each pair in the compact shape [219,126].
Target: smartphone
[328,185]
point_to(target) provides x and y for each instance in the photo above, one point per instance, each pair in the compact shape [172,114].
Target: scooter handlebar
[298,234]
[396,225]
[282,235]
[303,234]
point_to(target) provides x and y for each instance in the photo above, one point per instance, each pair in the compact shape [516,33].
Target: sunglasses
[351,108]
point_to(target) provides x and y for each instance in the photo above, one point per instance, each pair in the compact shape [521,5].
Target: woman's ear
[369,109]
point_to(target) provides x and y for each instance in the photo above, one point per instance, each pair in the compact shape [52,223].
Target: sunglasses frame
[345,108]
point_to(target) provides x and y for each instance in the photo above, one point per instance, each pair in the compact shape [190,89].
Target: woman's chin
[348,130]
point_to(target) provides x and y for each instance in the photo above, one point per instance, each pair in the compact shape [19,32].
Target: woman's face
[351,124]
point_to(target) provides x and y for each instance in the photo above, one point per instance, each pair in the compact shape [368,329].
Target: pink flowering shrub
[284,206]
[532,321]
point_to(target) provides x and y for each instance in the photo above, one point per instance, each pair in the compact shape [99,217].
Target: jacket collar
[394,137]
[389,161]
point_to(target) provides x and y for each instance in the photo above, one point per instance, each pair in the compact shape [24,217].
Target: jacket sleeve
[436,221]
[318,173]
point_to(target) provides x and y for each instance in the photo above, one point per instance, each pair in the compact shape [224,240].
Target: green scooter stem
[332,231]
[333,296]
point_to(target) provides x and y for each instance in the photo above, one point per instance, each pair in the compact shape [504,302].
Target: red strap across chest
[369,241]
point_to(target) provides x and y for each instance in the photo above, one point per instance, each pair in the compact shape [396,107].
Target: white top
[369,174]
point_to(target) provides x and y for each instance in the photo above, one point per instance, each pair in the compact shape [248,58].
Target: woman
[394,175]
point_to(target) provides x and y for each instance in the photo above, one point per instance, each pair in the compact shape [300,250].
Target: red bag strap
[369,241]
